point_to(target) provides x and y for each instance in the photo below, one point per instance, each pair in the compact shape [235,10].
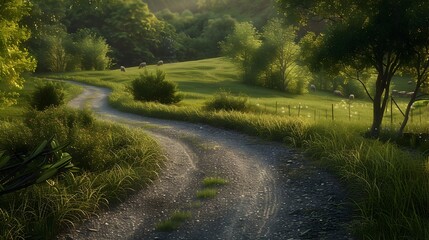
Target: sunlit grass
[199,80]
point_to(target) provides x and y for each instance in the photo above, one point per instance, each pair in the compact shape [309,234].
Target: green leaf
[4,159]
[46,175]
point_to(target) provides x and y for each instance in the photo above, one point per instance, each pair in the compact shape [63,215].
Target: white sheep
[312,87]
[351,96]
[338,93]
[160,62]
[142,65]
[122,69]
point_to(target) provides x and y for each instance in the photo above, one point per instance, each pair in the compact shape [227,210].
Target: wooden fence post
[276,107]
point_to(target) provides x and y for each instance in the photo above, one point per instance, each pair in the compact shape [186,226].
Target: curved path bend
[273,191]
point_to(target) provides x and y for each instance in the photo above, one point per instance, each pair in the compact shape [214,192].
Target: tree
[215,32]
[92,51]
[131,30]
[14,59]
[241,45]
[287,53]
[375,34]
[418,66]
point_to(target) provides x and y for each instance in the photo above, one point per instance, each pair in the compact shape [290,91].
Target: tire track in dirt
[268,185]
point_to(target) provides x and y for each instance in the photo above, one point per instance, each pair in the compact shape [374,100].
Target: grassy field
[388,184]
[200,80]
[17,110]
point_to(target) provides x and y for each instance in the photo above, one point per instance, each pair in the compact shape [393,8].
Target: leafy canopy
[14,59]
[380,34]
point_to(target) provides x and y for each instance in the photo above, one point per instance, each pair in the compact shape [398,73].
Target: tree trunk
[379,103]
[406,117]
[409,105]
[377,115]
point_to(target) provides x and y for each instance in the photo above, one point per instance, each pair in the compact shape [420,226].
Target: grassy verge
[114,161]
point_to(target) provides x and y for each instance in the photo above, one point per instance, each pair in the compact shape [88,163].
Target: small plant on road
[210,187]
[214,181]
[173,222]
[207,193]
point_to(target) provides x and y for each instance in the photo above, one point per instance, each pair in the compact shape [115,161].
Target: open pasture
[199,80]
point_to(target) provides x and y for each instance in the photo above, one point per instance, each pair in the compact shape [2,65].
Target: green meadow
[199,80]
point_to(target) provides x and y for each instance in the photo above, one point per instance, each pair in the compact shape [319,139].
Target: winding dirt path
[273,191]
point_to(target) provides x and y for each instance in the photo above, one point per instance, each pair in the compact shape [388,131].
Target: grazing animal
[410,94]
[351,96]
[142,65]
[402,93]
[338,93]
[160,62]
[122,69]
[312,87]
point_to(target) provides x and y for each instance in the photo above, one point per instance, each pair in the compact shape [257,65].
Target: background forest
[99,34]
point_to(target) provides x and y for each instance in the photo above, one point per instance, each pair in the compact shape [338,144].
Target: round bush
[226,101]
[154,88]
[50,94]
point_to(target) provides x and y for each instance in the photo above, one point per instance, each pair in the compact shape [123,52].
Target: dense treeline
[67,35]
[122,32]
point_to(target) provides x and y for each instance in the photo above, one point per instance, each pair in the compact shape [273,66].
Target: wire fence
[349,110]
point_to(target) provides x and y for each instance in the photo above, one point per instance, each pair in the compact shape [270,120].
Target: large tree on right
[379,34]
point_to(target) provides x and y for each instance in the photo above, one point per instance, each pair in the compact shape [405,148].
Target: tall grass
[114,161]
[390,186]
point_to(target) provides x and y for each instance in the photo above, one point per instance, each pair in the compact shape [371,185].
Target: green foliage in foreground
[23,170]
[114,161]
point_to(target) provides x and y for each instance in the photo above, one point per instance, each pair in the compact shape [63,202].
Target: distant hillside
[173,5]
[257,11]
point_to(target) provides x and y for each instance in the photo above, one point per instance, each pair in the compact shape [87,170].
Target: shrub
[224,100]
[154,88]
[93,51]
[50,94]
